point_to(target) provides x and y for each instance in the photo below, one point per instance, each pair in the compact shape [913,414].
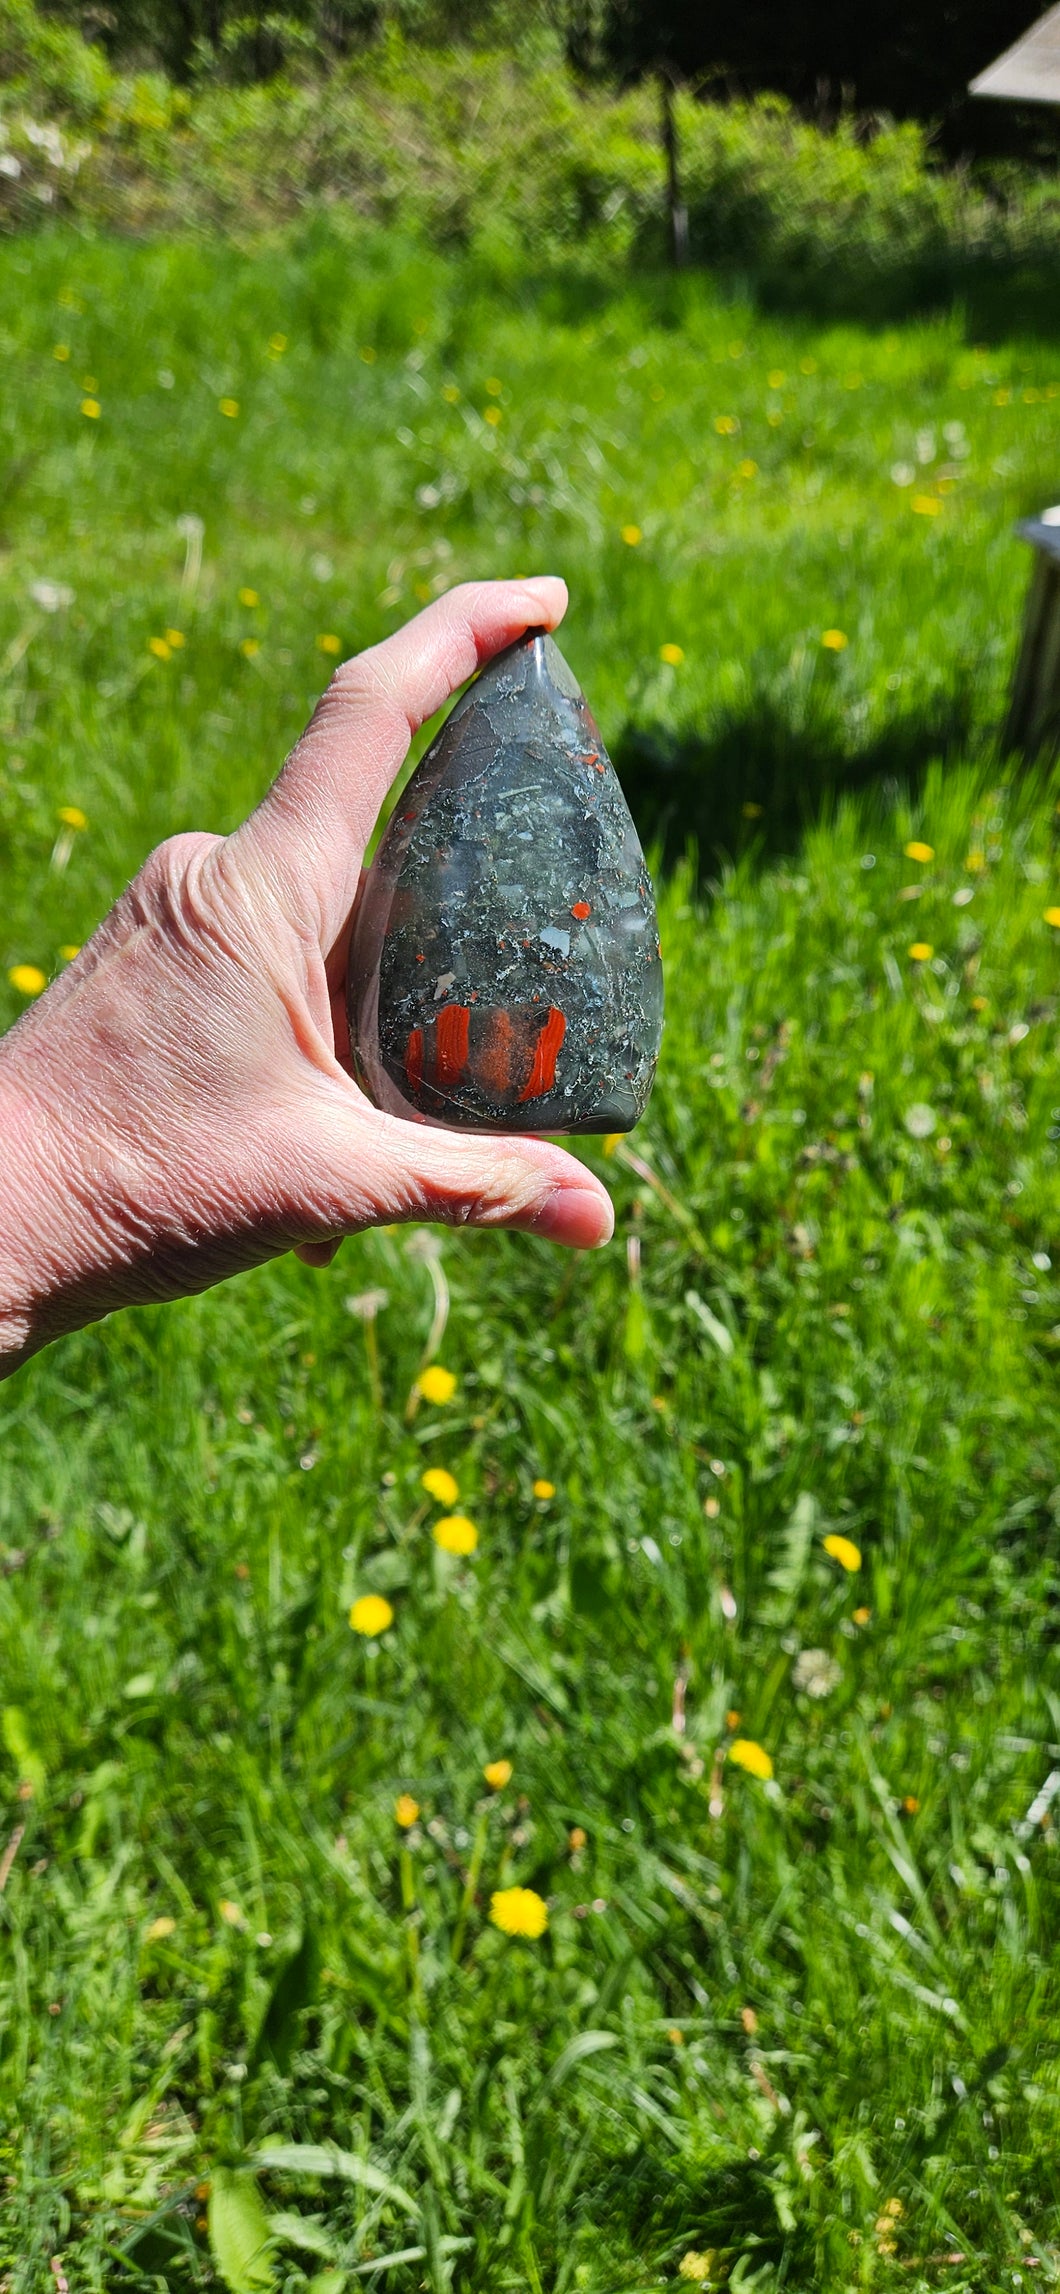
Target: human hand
[178,1106]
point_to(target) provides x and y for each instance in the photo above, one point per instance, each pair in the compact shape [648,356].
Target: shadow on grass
[730,2208]
[760,779]
[993,295]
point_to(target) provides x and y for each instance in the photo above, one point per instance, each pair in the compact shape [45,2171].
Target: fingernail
[577,1216]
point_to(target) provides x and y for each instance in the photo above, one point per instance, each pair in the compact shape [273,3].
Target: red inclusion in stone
[494,1063]
[414,1059]
[546,1051]
[581,909]
[450,1044]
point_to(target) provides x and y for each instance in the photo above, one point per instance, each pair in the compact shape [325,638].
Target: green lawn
[795,2030]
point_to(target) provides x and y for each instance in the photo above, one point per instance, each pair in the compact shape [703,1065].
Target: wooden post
[678,210]
[1033,722]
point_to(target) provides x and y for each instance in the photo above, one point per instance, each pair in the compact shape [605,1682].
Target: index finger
[310,831]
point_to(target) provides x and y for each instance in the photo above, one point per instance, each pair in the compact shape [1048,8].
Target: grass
[802,2027]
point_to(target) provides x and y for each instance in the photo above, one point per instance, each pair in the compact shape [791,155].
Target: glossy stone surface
[505,971]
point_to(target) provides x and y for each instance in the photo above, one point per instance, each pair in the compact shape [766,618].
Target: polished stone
[505,972]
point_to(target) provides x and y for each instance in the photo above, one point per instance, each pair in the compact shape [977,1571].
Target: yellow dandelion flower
[673,655]
[248,597]
[751,1756]
[577,1838]
[726,425]
[277,345]
[675,2037]
[834,640]
[497,1773]
[976,861]
[450,393]
[697,2268]
[777,379]
[747,469]
[1052,916]
[862,1616]
[159,1929]
[843,1550]
[494,385]
[61,352]
[229,407]
[72,816]
[175,639]
[632,536]
[92,408]
[980,1003]
[612,1141]
[733,1718]
[493,416]
[250,647]
[161,650]
[28,979]
[231,1914]
[926,505]
[368,355]
[921,951]
[329,643]
[518,1912]
[406,1810]
[454,1533]
[1002,397]
[918,851]
[69,950]
[371,1615]
[544,1490]
[89,383]
[911,1804]
[440,1484]
[436,1384]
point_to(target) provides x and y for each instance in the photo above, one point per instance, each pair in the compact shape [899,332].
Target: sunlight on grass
[645,1875]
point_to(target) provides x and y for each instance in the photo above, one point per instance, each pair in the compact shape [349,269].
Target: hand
[178,1106]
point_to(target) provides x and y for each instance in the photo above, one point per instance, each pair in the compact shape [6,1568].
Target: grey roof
[1029,72]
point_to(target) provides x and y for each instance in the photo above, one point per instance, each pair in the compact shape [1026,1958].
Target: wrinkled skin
[178,1106]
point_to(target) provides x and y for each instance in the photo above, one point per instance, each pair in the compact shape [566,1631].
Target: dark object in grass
[505,972]
[1033,724]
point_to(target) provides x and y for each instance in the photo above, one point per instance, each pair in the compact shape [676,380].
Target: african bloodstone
[505,972]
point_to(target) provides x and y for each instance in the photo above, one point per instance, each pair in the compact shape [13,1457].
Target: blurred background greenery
[761,1611]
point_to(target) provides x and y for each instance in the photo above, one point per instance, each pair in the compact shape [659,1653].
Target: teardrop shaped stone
[505,972]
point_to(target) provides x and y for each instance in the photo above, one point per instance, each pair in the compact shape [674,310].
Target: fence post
[1033,722]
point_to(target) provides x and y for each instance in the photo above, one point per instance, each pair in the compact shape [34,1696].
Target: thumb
[375,1168]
